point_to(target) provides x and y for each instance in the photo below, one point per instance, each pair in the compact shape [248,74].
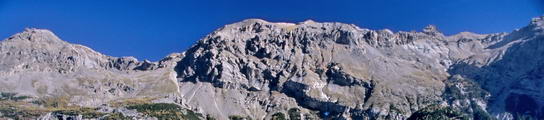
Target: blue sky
[151,30]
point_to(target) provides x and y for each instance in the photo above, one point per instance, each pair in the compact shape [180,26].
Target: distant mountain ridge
[256,69]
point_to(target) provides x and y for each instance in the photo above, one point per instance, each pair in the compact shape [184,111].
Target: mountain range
[256,69]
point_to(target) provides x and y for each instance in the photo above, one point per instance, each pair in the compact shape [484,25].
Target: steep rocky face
[332,68]
[513,75]
[340,70]
[308,70]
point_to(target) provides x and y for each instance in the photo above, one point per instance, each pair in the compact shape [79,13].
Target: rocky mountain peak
[309,21]
[253,21]
[258,22]
[34,35]
[431,30]
[534,29]
[537,24]
[41,50]
[538,21]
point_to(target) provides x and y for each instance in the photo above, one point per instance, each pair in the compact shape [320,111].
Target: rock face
[307,70]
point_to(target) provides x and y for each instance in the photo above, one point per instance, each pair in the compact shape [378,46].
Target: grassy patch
[278,116]
[19,110]
[165,111]
[87,113]
[437,112]
[53,102]
[116,116]
[294,114]
[12,96]
[131,101]
[392,108]
[209,117]
[238,117]
[12,107]
[23,110]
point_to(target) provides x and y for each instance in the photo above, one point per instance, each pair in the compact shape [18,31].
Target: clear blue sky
[152,30]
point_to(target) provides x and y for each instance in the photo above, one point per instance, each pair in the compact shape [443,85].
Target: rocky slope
[37,63]
[262,70]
